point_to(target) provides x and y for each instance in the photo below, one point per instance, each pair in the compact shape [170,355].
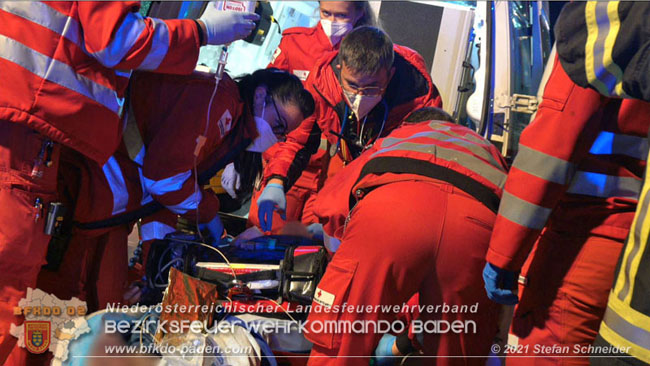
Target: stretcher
[265,283]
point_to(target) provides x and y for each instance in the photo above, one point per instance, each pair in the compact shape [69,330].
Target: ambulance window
[530,42]
[244,57]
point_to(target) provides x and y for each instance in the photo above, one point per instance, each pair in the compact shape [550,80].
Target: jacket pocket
[326,311]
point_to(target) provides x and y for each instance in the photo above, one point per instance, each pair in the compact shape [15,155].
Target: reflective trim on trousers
[115,179]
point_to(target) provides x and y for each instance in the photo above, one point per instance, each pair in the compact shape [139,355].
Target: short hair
[429,114]
[366,50]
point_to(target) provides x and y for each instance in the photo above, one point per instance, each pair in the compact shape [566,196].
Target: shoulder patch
[225,123]
[324,298]
[301,74]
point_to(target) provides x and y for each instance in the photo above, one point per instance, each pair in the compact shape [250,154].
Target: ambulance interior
[487,63]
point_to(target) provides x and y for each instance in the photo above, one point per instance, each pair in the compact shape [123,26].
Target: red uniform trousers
[568,278]
[23,244]
[94,269]
[403,238]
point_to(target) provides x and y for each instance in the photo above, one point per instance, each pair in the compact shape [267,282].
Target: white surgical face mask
[361,104]
[335,31]
[266,136]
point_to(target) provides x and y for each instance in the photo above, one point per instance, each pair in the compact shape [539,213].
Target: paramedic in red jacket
[64,67]
[266,103]
[413,214]
[298,52]
[362,93]
[567,207]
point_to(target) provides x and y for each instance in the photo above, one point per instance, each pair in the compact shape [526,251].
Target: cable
[277,304]
[200,141]
[169,264]
[213,248]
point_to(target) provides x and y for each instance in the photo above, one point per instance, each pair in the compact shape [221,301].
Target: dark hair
[367,50]
[429,114]
[284,88]
[281,85]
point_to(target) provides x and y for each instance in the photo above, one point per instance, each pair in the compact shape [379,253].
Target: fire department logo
[37,339]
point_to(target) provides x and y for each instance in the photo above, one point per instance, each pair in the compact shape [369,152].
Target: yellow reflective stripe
[616,340]
[629,314]
[636,243]
[608,61]
[634,318]
[603,25]
[636,261]
[592,37]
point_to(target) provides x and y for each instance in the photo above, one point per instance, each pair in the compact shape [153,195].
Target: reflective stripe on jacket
[59,65]
[578,168]
[430,150]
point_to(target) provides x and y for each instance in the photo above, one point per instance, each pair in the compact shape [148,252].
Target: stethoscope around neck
[359,141]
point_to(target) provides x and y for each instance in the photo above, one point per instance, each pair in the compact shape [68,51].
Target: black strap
[225,278]
[400,165]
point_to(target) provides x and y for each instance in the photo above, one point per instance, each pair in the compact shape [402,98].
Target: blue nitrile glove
[384,352]
[271,199]
[499,283]
[316,231]
[215,227]
[223,27]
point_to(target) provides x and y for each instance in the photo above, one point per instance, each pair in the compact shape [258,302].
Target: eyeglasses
[282,126]
[371,91]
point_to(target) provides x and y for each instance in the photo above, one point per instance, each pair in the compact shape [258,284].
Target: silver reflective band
[190,203]
[636,234]
[609,143]
[146,196]
[166,185]
[127,34]
[438,125]
[492,174]
[155,230]
[58,72]
[523,213]
[543,166]
[476,149]
[629,331]
[159,47]
[602,185]
[116,182]
[45,16]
